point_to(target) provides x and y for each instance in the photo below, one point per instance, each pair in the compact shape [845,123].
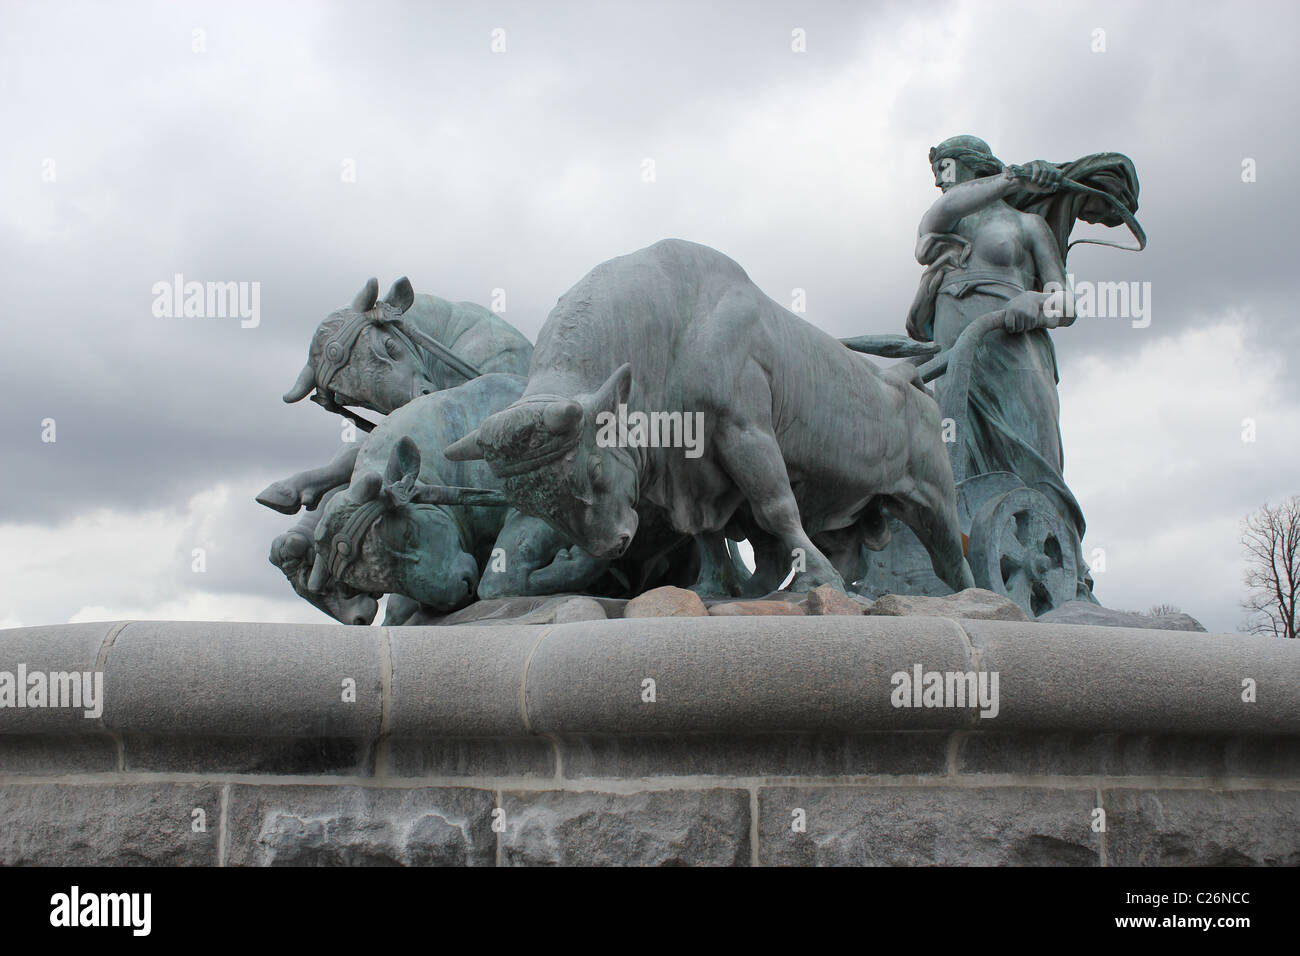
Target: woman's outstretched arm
[962,200]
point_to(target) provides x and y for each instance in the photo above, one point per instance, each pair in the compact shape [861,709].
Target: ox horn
[319,573]
[366,487]
[365,300]
[562,417]
[464,449]
[302,388]
[615,390]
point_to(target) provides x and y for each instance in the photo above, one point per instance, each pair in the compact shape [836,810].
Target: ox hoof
[278,496]
[714,588]
[809,580]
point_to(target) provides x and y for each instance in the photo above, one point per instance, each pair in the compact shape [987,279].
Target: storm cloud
[502,149]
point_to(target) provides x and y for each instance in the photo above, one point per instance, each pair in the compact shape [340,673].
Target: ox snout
[615,547]
[454,584]
[360,610]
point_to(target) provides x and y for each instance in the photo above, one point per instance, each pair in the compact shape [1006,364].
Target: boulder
[666,601]
[563,611]
[976,603]
[545,609]
[496,611]
[754,609]
[1085,612]
[827,600]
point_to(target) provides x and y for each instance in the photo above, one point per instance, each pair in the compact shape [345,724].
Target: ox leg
[400,610]
[307,488]
[771,564]
[844,549]
[572,570]
[932,516]
[718,572]
[753,458]
[530,557]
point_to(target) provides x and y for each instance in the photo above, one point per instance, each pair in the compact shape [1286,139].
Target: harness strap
[338,350]
[345,548]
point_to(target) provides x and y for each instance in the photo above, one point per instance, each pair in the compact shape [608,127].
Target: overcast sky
[214,140]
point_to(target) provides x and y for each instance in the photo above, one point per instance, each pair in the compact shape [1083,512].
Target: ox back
[435,421]
[478,335]
[702,337]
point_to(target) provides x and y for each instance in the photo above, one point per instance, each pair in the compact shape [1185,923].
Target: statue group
[670,410]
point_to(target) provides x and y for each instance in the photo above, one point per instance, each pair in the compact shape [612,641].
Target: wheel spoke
[1019,589]
[1019,549]
[1011,550]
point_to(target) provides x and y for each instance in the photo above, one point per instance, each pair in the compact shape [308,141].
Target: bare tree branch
[1271,538]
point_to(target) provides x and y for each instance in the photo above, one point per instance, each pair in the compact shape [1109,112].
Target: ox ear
[615,390]
[404,460]
[401,295]
[365,300]
[464,449]
[301,388]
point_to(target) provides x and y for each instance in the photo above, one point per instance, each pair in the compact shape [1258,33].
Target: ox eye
[392,348]
[594,471]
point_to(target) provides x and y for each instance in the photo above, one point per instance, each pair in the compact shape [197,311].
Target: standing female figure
[991,237]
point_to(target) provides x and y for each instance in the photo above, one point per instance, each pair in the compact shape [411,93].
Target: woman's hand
[1026,312]
[1037,177]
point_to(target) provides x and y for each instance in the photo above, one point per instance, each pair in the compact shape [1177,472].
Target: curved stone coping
[711,675]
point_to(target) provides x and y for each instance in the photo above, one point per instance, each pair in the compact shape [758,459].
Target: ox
[381,353]
[802,437]
[294,553]
[415,524]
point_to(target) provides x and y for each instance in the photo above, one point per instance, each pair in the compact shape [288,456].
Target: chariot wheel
[1020,548]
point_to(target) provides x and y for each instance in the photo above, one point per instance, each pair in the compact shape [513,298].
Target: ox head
[294,553]
[376,538]
[362,355]
[544,449]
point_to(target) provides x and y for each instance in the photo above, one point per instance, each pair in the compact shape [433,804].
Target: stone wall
[768,741]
